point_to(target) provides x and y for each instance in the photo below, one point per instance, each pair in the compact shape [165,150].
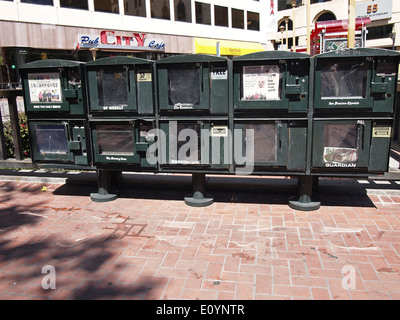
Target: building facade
[383,30]
[84,29]
[81,29]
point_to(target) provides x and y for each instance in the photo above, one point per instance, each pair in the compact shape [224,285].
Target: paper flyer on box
[340,155]
[261,82]
[44,87]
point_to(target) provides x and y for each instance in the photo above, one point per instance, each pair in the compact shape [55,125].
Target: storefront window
[43,2]
[74,4]
[221,16]
[135,8]
[203,13]
[183,10]
[160,9]
[106,6]
[253,21]
[237,19]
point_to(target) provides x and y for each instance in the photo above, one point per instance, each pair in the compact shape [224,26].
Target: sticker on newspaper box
[220,131]
[143,76]
[381,132]
[44,87]
[340,156]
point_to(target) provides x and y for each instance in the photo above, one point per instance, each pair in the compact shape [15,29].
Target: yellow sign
[226,48]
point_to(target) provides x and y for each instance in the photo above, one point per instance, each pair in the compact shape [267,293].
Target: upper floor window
[237,18]
[183,10]
[253,21]
[287,4]
[203,13]
[282,23]
[326,16]
[44,2]
[380,32]
[135,8]
[221,16]
[74,4]
[106,6]
[160,9]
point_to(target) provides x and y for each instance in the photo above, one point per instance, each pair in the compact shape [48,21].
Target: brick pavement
[148,244]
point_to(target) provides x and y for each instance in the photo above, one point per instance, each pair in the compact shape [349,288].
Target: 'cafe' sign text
[110,40]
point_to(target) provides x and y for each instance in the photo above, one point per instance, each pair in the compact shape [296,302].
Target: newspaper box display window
[192,84]
[119,86]
[268,81]
[122,143]
[62,141]
[197,145]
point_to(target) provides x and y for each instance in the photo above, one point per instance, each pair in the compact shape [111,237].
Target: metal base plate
[294,203]
[199,202]
[95,197]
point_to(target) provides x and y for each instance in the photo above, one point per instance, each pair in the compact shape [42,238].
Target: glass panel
[112,87]
[187,151]
[184,86]
[253,21]
[74,77]
[221,16]
[386,68]
[237,19]
[160,9]
[265,141]
[345,79]
[50,139]
[380,32]
[340,143]
[115,139]
[74,4]
[203,13]
[106,6]
[262,82]
[135,8]
[183,10]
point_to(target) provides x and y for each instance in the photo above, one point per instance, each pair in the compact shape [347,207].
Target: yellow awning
[227,48]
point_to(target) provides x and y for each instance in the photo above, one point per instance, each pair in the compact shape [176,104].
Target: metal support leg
[198,198]
[303,201]
[104,185]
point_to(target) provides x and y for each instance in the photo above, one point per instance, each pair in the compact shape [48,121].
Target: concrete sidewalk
[148,244]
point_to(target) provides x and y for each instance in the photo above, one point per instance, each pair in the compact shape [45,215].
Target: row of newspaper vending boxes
[262,113]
